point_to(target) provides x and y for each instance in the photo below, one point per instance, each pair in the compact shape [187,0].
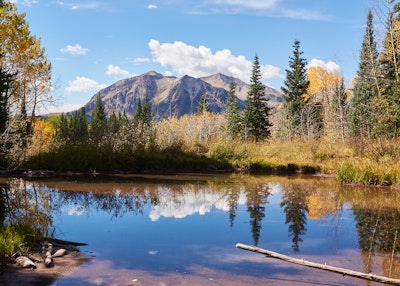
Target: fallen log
[361,275]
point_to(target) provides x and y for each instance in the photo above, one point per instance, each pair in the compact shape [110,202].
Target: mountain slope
[172,96]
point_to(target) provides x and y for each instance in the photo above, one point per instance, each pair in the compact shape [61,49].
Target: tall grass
[201,143]
[14,241]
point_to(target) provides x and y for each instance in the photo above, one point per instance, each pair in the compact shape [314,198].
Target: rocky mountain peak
[171,96]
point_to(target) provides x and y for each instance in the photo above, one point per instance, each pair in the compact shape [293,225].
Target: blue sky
[92,44]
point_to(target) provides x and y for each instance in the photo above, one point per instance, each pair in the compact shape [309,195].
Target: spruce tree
[5,81]
[98,123]
[137,118]
[295,91]
[62,130]
[366,86]
[82,126]
[257,111]
[113,123]
[232,112]
[203,105]
[386,107]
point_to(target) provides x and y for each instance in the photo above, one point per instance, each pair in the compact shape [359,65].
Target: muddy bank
[42,275]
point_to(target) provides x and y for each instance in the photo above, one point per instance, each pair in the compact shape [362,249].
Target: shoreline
[42,275]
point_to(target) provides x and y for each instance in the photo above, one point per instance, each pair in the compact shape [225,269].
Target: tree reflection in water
[256,201]
[376,213]
[26,204]
[294,204]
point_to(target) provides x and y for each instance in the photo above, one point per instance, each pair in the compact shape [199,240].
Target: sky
[93,43]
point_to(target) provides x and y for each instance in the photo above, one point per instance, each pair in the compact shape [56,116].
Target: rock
[48,261]
[60,252]
[25,262]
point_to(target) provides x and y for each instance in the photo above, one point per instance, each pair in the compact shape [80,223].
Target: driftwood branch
[369,276]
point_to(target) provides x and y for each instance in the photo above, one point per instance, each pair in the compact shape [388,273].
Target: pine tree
[366,86]
[256,114]
[386,107]
[82,126]
[62,130]
[203,105]
[113,123]
[98,123]
[232,112]
[147,116]
[137,118]
[295,91]
[5,81]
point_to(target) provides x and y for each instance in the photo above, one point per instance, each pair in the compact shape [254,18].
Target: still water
[182,230]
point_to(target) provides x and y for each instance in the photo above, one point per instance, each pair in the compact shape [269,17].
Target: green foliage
[98,122]
[366,86]
[14,240]
[295,90]
[203,105]
[233,117]
[256,114]
[5,81]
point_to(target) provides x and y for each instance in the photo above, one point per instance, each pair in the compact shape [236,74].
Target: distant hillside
[172,96]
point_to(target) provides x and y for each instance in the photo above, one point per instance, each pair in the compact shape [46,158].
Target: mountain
[172,96]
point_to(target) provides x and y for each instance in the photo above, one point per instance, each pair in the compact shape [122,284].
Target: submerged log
[361,275]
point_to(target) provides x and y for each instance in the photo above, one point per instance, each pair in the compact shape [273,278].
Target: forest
[322,126]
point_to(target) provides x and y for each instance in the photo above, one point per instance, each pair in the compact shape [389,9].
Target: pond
[182,229]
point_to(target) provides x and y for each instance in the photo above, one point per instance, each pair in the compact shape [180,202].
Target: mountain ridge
[173,96]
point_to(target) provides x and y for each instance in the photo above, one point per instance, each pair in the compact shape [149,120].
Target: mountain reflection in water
[158,226]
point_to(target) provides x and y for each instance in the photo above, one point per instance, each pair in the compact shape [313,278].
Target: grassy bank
[373,162]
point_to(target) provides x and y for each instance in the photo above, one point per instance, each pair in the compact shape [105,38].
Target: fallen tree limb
[369,276]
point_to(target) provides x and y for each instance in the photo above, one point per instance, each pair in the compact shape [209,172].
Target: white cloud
[84,84]
[77,210]
[152,6]
[329,66]
[79,6]
[57,108]
[141,60]
[270,8]
[24,2]
[116,70]
[190,203]
[249,4]
[201,61]
[75,50]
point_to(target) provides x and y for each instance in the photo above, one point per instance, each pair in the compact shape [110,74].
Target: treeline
[321,123]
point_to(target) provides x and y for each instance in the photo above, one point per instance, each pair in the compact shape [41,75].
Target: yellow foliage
[43,133]
[320,206]
[322,82]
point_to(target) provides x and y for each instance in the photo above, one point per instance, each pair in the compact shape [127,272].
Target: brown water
[182,230]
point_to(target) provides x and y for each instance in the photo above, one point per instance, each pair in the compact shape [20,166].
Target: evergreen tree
[203,105]
[77,128]
[137,118]
[5,80]
[340,109]
[366,86]
[256,114]
[81,125]
[113,123]
[98,123]
[232,112]
[295,91]
[389,58]
[147,116]
[62,130]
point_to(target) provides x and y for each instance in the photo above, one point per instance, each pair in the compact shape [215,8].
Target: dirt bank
[42,275]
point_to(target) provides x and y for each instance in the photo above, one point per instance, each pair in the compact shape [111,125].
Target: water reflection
[23,203]
[294,204]
[260,206]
